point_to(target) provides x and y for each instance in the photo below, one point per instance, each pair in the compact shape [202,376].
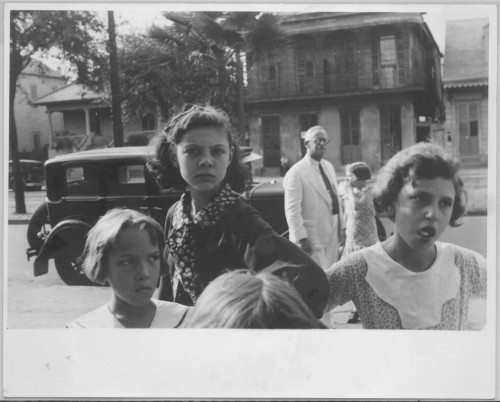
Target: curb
[18,221]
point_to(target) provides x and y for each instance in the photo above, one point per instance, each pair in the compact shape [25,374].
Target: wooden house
[465,79]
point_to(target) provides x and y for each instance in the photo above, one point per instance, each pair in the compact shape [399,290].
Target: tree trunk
[115,83]
[240,89]
[15,70]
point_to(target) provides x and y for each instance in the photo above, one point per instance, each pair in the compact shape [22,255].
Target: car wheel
[69,268]
[37,223]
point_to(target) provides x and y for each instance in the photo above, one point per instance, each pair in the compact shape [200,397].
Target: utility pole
[116,108]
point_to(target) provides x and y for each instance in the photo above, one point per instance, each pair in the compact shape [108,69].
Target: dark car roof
[101,154]
[117,153]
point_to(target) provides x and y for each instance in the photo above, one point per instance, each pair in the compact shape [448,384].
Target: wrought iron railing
[384,78]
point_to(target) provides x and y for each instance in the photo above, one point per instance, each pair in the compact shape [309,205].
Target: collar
[210,214]
[312,161]
[417,296]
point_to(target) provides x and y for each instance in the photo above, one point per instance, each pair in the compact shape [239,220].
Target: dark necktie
[331,191]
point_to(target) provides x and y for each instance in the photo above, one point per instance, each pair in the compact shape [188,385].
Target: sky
[435,15]
[133,17]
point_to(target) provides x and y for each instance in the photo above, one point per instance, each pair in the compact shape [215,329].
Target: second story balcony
[382,79]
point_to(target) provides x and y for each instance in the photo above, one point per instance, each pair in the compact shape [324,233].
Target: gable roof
[464,59]
[37,67]
[70,93]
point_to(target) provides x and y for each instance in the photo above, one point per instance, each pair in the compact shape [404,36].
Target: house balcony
[386,79]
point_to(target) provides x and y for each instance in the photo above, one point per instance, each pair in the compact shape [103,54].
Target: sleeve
[248,228]
[341,280]
[292,184]
[165,282]
[264,250]
[477,273]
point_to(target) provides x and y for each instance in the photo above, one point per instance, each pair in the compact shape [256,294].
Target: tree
[65,34]
[224,37]
[115,83]
[159,76]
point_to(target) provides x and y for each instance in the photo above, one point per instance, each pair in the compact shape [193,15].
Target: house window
[468,124]
[339,66]
[309,68]
[388,54]
[390,130]
[306,54]
[33,92]
[350,133]
[148,122]
[468,128]
[390,61]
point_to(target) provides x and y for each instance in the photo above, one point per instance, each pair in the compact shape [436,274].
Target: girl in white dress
[411,280]
[125,250]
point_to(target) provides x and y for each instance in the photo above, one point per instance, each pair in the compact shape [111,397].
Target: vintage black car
[82,186]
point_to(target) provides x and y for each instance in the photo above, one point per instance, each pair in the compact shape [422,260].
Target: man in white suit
[312,208]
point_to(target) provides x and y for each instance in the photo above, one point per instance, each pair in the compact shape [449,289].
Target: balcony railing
[338,84]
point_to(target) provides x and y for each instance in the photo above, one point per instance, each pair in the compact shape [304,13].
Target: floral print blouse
[347,279]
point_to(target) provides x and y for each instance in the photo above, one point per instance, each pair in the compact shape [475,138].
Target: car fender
[68,233]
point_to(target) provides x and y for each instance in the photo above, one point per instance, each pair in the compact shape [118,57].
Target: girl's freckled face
[423,211]
[203,156]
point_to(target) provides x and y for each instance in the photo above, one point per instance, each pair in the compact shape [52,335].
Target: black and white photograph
[250,201]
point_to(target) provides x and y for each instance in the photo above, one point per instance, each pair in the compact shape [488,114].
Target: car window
[126,180]
[81,181]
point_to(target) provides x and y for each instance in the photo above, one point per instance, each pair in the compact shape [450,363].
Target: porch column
[51,130]
[87,122]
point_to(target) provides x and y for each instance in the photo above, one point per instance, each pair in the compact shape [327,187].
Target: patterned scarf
[182,242]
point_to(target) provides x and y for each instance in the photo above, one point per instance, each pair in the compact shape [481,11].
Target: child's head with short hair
[103,237]
[193,117]
[358,173]
[420,161]
[240,299]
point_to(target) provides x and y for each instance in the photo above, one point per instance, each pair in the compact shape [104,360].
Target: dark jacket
[242,239]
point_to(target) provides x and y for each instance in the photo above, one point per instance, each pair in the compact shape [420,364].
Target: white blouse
[167,315]
[417,296]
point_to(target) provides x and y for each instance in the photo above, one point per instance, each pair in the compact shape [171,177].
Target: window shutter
[403,61]
[375,61]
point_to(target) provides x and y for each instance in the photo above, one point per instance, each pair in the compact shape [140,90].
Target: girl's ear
[232,151]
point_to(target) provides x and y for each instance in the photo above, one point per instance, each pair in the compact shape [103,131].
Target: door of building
[271,141]
[390,130]
[468,128]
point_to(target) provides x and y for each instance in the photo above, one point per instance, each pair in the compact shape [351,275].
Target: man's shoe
[353,318]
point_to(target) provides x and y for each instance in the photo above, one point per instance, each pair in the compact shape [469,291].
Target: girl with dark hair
[211,229]
[411,280]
